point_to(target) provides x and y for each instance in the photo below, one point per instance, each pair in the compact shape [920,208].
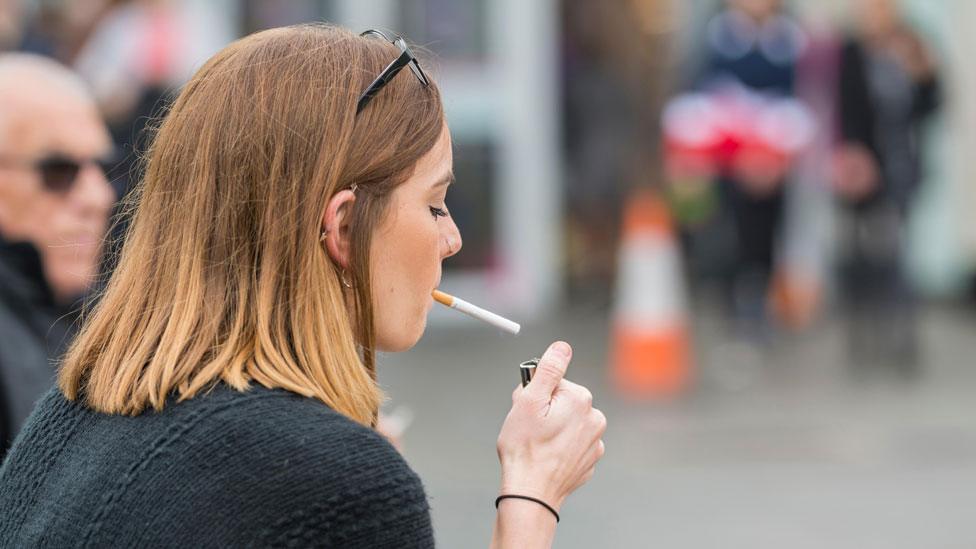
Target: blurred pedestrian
[291,223]
[889,85]
[752,47]
[54,204]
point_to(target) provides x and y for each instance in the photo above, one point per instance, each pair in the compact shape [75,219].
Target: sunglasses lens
[59,174]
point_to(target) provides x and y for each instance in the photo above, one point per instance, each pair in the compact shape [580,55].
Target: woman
[290,223]
[889,87]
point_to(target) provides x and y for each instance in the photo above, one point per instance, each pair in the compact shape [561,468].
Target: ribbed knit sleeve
[382,504]
[339,484]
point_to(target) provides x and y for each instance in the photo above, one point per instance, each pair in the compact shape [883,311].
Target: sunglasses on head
[60,172]
[405,59]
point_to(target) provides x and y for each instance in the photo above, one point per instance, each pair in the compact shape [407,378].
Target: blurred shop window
[454,29]
[470,201]
[455,32]
[265,14]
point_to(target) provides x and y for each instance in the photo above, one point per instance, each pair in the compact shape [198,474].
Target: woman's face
[408,245]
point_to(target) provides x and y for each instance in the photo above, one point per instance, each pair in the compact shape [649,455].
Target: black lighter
[527,370]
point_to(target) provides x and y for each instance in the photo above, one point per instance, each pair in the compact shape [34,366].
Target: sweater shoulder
[283,433]
[324,476]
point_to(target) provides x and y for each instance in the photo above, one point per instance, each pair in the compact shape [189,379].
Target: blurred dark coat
[34,330]
[884,113]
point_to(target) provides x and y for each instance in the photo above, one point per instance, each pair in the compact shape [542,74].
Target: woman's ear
[335,223]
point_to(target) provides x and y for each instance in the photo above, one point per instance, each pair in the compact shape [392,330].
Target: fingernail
[560,348]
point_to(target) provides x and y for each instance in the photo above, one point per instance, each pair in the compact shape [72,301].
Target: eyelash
[438,212]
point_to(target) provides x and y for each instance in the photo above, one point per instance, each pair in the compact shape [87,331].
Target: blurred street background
[752,219]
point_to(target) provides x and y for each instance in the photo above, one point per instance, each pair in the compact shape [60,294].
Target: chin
[403,340]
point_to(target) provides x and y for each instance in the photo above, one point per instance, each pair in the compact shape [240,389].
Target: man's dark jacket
[34,330]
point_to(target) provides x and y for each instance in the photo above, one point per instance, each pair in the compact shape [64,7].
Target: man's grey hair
[28,79]
[15,67]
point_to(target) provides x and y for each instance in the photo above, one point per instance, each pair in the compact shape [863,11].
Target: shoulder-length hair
[222,277]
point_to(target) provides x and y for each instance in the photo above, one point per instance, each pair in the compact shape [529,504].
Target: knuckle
[555,362]
[549,367]
[600,419]
[548,370]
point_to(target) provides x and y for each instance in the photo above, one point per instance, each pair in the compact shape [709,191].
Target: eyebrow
[447,179]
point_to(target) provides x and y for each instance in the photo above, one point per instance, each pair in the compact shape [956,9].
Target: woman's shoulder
[287,427]
[317,470]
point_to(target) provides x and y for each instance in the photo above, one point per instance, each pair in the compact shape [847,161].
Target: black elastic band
[539,501]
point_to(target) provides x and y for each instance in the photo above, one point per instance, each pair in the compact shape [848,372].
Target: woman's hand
[551,439]
[856,172]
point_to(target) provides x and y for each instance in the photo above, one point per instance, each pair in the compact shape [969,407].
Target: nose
[92,195]
[452,239]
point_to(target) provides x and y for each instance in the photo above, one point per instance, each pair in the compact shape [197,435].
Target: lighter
[527,370]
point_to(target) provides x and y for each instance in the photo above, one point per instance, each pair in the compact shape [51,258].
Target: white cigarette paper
[477,312]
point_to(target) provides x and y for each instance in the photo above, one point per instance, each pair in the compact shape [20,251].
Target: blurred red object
[750,136]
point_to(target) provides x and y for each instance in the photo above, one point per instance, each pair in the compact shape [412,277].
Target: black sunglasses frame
[405,59]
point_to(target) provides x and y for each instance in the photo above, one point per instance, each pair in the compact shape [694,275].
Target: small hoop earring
[342,278]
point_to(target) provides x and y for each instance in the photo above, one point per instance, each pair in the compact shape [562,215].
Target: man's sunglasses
[58,172]
[406,58]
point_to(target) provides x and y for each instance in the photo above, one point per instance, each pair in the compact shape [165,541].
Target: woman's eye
[438,212]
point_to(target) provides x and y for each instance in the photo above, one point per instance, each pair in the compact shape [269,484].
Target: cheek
[44,220]
[406,263]
[406,258]
[58,220]
[17,206]
[419,254]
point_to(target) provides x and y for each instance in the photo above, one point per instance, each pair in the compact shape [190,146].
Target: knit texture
[262,468]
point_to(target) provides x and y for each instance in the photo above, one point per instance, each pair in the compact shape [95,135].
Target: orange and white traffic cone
[650,347]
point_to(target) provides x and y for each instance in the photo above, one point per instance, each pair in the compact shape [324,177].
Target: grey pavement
[780,447]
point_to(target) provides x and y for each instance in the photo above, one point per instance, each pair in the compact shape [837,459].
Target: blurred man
[54,207]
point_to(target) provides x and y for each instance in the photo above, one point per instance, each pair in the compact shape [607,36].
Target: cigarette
[476,312]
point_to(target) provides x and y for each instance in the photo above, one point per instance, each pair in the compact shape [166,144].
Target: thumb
[550,371]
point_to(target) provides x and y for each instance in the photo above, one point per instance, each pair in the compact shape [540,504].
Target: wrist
[522,524]
[533,490]
[536,501]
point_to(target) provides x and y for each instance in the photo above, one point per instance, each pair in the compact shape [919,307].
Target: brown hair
[222,276]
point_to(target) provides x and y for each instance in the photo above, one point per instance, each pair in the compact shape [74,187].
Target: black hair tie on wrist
[539,501]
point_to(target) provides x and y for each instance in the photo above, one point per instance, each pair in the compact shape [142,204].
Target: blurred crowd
[766,96]
[763,128]
[791,151]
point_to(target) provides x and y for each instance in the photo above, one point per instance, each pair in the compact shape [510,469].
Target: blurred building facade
[555,107]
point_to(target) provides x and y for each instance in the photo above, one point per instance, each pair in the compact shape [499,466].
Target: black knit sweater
[224,469]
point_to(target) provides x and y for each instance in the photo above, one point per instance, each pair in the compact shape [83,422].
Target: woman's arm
[548,447]
[521,523]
